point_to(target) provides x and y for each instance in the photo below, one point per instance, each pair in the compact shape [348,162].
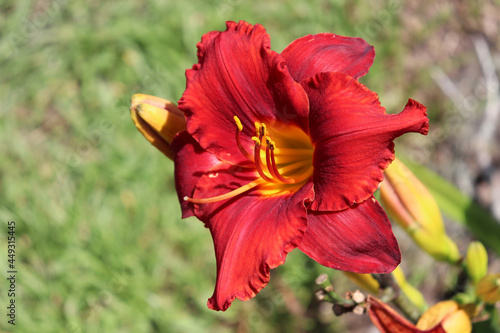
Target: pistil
[227,195]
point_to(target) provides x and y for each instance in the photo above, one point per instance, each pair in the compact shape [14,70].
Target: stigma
[283,164]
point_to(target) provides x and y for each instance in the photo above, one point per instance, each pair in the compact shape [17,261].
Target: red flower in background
[284,151]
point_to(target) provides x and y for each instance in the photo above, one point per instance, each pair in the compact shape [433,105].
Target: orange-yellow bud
[449,314]
[158,120]
[488,288]
[411,205]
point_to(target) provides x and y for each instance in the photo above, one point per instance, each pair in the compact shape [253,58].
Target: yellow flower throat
[281,170]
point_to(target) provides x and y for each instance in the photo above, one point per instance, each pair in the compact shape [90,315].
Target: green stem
[336,299]
[392,293]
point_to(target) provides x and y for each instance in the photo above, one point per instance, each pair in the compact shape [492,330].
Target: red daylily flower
[284,151]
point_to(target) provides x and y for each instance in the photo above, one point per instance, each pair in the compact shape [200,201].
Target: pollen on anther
[186,198]
[238,123]
[257,129]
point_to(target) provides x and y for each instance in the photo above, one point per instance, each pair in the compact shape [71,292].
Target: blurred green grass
[100,243]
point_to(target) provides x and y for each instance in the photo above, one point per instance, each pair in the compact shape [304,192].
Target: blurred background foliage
[100,243]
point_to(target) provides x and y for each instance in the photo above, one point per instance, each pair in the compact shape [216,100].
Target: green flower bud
[476,261]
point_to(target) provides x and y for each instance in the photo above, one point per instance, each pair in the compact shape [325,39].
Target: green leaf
[459,207]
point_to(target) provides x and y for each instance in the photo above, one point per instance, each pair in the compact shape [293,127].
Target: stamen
[257,129]
[238,141]
[264,131]
[269,142]
[257,160]
[274,168]
[225,196]
[293,162]
[238,123]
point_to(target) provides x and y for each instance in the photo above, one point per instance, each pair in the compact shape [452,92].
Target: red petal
[353,138]
[191,162]
[238,75]
[389,321]
[252,234]
[358,239]
[313,54]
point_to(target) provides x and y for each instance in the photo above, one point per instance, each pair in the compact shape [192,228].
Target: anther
[238,123]
[238,141]
[257,130]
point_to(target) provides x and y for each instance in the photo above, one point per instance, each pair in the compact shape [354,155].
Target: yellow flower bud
[449,314]
[370,284]
[411,205]
[158,120]
[364,281]
[476,261]
[439,246]
[488,288]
